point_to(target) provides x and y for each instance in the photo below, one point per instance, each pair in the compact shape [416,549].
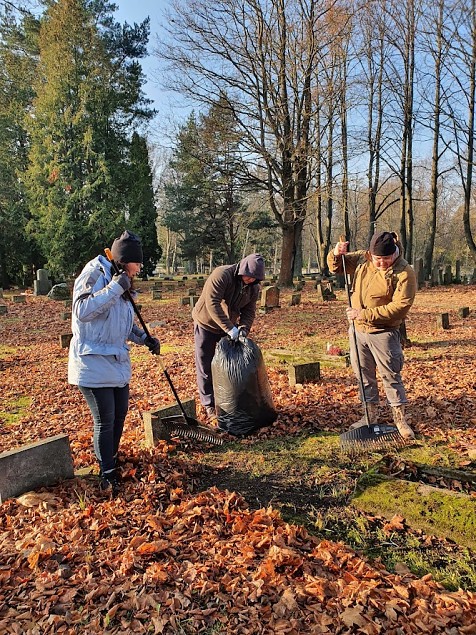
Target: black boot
[109,483]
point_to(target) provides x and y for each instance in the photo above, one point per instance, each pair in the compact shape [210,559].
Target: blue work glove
[123,279]
[153,345]
[233,333]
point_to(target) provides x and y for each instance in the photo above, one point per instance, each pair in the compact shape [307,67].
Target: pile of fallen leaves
[159,560]
[162,559]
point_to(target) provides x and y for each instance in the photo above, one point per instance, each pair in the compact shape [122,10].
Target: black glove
[123,279]
[153,345]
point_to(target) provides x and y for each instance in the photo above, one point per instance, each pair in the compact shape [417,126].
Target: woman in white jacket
[99,362]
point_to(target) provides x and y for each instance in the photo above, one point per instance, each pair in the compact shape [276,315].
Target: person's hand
[233,333]
[243,331]
[123,279]
[341,248]
[153,345]
[352,314]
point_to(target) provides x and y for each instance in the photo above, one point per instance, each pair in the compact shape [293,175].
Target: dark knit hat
[127,248]
[252,266]
[383,244]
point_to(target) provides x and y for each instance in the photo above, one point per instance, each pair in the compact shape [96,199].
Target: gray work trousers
[382,352]
[205,344]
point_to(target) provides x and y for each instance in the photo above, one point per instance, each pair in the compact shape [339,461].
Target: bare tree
[259,58]
[463,70]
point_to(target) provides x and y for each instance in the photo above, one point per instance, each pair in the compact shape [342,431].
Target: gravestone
[325,291]
[304,373]
[154,429]
[295,299]
[184,301]
[193,300]
[435,276]
[19,299]
[42,285]
[3,309]
[39,464]
[443,321]
[447,275]
[192,292]
[458,272]
[419,272]
[156,294]
[65,339]
[463,312]
[270,297]
[59,292]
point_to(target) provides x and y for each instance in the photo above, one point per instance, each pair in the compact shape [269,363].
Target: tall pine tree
[88,99]
[18,60]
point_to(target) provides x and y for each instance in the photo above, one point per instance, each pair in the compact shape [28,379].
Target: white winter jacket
[102,323]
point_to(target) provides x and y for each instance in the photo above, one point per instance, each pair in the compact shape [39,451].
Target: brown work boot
[401,422]
[212,418]
[373,416]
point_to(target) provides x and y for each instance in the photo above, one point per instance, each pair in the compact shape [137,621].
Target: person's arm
[214,293]
[334,259]
[94,295]
[248,312]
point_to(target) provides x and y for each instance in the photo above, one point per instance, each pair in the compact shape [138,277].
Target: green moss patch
[14,410]
[435,511]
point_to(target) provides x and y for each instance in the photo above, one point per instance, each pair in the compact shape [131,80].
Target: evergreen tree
[142,211]
[18,59]
[88,97]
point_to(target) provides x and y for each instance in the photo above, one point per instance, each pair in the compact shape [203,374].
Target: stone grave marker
[42,285]
[435,276]
[325,291]
[419,272]
[156,294]
[447,275]
[463,312]
[154,428]
[184,300]
[443,321]
[270,297]
[192,291]
[35,465]
[458,271]
[59,292]
[3,309]
[65,339]
[193,300]
[295,299]
[304,373]
[19,299]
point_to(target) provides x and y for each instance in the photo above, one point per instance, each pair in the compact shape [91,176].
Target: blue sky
[136,11]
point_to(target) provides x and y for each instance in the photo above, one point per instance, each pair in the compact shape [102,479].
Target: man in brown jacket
[384,289]
[227,306]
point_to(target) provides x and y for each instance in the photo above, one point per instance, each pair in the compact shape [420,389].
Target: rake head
[176,427]
[372,438]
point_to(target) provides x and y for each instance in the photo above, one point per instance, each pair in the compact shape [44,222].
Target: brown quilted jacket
[384,297]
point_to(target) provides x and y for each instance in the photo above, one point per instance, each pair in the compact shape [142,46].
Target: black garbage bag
[243,398]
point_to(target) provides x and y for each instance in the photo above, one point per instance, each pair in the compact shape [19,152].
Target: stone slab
[65,339]
[153,428]
[304,373]
[41,464]
[3,309]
